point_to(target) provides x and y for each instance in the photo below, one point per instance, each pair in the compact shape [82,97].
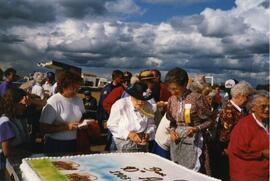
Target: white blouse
[124,118]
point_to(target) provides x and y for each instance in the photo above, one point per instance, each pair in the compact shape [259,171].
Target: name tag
[187,113]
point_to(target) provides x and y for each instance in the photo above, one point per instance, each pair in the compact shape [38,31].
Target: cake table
[110,166]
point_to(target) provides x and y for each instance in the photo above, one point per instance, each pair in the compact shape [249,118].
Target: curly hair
[11,97]
[67,79]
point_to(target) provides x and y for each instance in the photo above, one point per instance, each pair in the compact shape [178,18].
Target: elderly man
[231,113]
[249,145]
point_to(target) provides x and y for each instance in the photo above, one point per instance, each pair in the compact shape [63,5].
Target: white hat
[229,83]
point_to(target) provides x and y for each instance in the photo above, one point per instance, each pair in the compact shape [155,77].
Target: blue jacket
[101,113]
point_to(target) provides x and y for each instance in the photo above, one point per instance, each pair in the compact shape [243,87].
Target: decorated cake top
[113,166]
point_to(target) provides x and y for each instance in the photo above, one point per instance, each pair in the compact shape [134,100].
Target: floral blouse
[199,110]
[229,116]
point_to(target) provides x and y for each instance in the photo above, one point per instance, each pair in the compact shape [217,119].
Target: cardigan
[248,140]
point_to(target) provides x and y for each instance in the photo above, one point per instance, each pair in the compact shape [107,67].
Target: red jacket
[164,93]
[112,97]
[247,142]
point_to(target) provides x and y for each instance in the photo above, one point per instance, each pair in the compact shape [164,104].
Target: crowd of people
[184,120]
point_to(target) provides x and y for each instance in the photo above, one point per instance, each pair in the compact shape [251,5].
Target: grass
[46,170]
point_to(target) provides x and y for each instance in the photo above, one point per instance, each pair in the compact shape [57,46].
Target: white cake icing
[108,166]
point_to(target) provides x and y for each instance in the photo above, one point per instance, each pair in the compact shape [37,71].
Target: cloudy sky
[223,38]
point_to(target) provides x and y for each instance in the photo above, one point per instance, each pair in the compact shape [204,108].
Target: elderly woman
[249,145]
[131,120]
[189,115]
[60,117]
[229,117]
[37,89]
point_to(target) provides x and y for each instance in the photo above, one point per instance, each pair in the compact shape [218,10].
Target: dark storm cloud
[34,12]
[265,4]
[10,39]
[82,8]
[13,12]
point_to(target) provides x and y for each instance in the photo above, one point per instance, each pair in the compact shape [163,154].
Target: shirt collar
[130,103]
[259,122]
[236,106]
[184,95]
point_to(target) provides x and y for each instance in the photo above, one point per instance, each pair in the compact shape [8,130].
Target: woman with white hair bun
[37,89]
[230,114]
[249,145]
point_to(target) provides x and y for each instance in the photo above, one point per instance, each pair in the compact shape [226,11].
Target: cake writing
[63,165]
[128,169]
[77,176]
[120,175]
[150,178]
[157,170]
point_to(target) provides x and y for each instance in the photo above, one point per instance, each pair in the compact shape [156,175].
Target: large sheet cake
[112,166]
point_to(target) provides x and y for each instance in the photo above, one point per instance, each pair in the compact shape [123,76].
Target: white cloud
[243,5]
[123,6]
[221,23]
[152,61]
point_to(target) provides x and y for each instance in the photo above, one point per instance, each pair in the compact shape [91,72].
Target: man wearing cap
[131,120]
[163,94]
[90,105]
[10,75]
[158,89]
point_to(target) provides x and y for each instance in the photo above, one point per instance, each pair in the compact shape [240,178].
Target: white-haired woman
[131,120]
[231,113]
[249,145]
[37,89]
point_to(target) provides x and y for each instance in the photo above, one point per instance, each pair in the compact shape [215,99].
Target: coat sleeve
[111,98]
[115,124]
[240,143]
[204,113]
[165,94]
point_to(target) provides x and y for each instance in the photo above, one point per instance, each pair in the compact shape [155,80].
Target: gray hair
[253,97]
[242,88]
[196,87]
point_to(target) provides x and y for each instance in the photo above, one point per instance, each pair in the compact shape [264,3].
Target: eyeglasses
[74,88]
[262,106]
